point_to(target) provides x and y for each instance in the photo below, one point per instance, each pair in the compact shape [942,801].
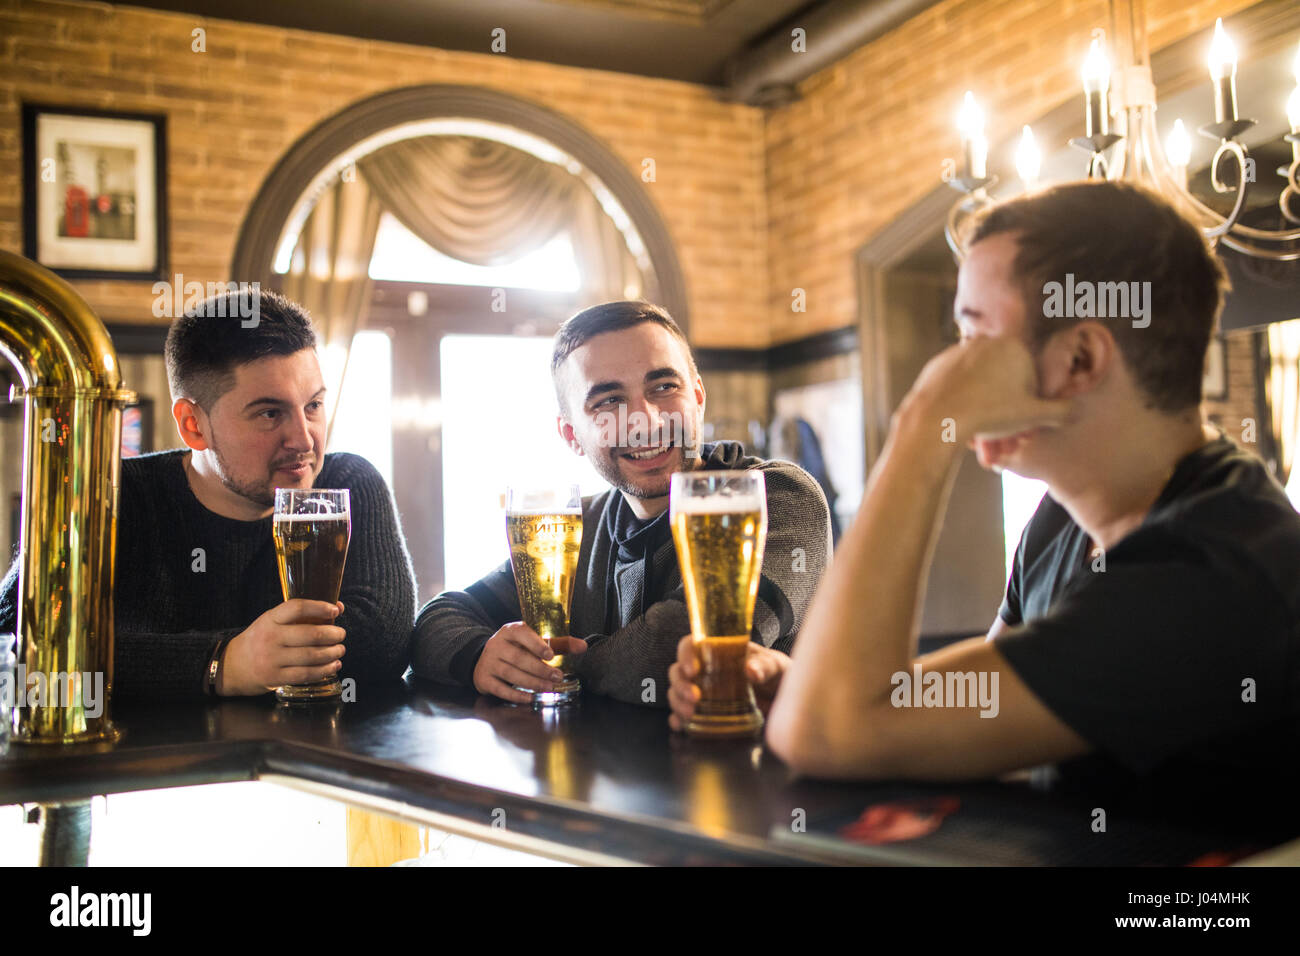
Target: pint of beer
[311,527]
[719,521]
[544,530]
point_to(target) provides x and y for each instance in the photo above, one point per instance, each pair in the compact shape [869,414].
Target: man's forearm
[164,666]
[378,625]
[378,591]
[618,665]
[861,627]
[452,628]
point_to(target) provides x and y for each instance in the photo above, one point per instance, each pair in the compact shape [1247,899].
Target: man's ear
[1077,360]
[699,394]
[191,423]
[565,431]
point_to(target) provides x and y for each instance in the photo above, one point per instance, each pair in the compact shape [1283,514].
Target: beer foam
[323,516]
[541,512]
[717,504]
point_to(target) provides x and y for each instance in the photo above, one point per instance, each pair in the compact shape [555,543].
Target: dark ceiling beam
[767,74]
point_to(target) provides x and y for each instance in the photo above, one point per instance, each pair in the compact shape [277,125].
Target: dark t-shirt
[1151,651]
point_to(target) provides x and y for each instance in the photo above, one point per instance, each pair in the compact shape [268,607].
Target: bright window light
[499,409]
[363,422]
[1020,499]
[401,256]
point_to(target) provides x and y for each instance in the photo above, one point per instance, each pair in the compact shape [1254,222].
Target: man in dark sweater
[197,600]
[631,400]
[1150,629]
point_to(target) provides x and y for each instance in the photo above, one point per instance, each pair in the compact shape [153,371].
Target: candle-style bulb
[1029,159]
[1178,147]
[1293,110]
[974,147]
[1223,55]
[970,119]
[1096,69]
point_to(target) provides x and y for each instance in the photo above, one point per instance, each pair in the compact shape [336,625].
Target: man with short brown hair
[198,602]
[1151,615]
[631,400]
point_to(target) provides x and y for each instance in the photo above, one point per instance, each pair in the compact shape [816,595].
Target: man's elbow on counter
[815,744]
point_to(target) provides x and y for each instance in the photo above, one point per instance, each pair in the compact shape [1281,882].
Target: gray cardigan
[633,631]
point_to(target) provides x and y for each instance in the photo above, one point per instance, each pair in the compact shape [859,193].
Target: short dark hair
[611,317]
[205,345]
[1118,232]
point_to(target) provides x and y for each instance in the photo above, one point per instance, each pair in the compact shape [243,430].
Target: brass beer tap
[72,428]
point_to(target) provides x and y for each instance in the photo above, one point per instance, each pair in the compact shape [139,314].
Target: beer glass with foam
[719,521]
[544,531]
[311,527]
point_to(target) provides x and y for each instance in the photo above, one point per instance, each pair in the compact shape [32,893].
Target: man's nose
[654,414]
[297,433]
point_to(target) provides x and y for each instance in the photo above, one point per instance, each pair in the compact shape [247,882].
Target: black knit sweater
[173,603]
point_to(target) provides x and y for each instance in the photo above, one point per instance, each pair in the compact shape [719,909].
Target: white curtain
[329,273]
[483,202]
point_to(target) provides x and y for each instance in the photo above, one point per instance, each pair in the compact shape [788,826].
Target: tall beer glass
[311,527]
[544,529]
[719,521]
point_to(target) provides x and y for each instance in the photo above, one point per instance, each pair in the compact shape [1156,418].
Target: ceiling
[687,40]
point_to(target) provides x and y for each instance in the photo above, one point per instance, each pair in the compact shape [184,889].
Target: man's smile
[649,457]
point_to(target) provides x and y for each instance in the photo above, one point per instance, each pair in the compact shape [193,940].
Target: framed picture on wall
[95,192]
[137,428]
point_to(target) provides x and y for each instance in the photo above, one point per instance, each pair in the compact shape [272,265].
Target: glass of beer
[719,521]
[544,529]
[311,527]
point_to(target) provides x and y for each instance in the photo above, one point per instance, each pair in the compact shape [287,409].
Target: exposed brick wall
[868,136]
[1239,405]
[757,204]
[234,110]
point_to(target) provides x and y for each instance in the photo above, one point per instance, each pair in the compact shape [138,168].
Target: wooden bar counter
[606,782]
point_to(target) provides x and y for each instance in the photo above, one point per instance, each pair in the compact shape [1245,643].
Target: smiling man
[197,599]
[630,400]
[1149,631]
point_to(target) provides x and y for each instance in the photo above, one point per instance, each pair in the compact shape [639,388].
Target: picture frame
[137,428]
[95,192]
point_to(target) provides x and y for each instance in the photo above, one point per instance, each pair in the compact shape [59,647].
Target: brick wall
[868,136]
[757,204]
[234,110]
[1239,404]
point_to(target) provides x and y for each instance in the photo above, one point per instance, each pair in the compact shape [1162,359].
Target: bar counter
[606,782]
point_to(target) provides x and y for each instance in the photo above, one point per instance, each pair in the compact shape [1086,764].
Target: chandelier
[1131,150]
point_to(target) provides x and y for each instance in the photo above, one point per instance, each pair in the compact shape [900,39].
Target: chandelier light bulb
[1179,146]
[970,119]
[1029,158]
[1096,69]
[1223,55]
[1143,149]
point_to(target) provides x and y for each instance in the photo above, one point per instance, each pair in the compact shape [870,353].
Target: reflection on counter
[248,823]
